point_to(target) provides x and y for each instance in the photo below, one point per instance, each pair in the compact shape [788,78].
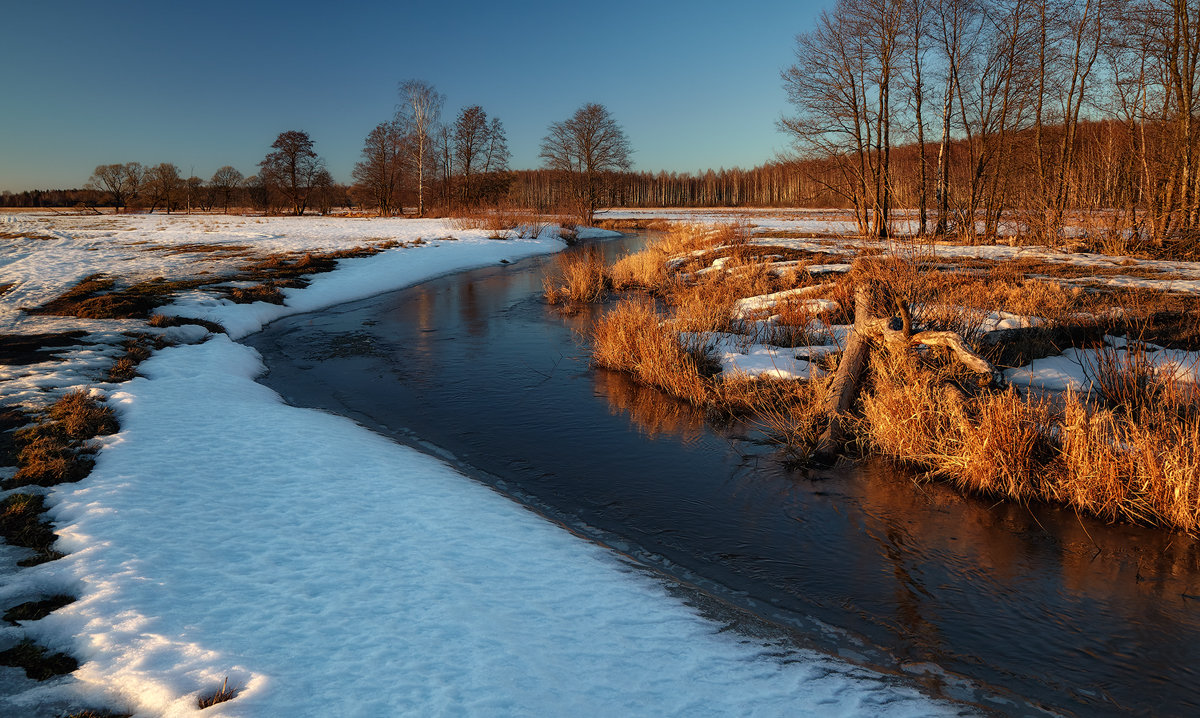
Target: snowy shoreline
[328,571]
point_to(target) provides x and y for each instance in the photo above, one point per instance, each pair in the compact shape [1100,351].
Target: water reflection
[651,412]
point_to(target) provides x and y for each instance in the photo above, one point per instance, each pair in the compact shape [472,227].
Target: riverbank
[755,321]
[315,566]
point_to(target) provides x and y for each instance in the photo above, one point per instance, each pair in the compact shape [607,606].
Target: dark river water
[1014,608]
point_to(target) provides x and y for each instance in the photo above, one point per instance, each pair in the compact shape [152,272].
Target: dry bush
[580,277]
[632,338]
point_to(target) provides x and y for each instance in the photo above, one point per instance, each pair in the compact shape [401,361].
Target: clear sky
[694,83]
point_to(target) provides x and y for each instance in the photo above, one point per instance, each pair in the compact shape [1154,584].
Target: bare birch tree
[419,111]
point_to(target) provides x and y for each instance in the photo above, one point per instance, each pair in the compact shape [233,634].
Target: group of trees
[291,177]
[1003,108]
[413,157]
[153,187]
[415,154]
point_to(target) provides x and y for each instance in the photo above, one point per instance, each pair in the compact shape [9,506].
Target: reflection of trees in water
[651,411]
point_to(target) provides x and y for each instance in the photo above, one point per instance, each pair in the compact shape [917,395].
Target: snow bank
[739,355]
[361,278]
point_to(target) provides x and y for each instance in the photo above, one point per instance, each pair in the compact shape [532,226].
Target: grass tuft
[38,663]
[222,694]
[578,277]
[37,610]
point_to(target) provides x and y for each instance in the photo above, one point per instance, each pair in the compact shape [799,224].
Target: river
[1014,608]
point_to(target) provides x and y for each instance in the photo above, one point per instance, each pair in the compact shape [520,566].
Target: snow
[749,306]
[326,570]
[1075,368]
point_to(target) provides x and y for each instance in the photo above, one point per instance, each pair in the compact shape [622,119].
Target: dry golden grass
[632,338]
[579,277]
[1145,470]
[1105,462]
[51,452]
[647,269]
[22,524]
[81,416]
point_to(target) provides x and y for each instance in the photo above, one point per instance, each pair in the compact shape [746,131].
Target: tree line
[974,112]
[411,158]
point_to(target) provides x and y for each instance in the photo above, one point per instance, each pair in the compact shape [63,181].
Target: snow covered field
[325,570]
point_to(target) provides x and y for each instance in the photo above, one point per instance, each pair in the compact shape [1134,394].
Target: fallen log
[870,330]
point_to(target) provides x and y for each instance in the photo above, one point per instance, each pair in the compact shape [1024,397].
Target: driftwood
[894,331]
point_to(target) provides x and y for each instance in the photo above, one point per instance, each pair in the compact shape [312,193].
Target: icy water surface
[1016,608]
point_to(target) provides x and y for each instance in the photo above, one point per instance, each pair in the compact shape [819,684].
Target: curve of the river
[1014,608]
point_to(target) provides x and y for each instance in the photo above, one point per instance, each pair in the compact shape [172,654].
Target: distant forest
[1100,146]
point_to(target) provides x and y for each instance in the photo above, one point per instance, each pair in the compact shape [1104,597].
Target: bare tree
[324,191]
[418,113]
[470,145]
[163,185]
[292,168]
[444,142]
[378,175]
[584,147]
[496,154]
[225,181]
[841,87]
[194,190]
[121,182]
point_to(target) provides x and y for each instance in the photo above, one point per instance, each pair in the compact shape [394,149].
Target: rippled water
[1012,606]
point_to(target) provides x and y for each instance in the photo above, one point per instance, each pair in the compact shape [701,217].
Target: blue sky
[694,84]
